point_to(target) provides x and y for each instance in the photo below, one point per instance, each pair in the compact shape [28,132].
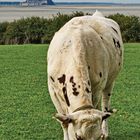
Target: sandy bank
[14,13]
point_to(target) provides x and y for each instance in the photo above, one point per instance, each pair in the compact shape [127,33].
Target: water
[14,13]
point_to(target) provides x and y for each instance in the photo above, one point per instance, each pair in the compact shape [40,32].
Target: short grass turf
[26,109]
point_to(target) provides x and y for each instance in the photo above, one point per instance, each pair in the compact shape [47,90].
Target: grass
[25,106]
[125,125]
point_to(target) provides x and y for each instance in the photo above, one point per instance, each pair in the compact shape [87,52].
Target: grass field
[26,109]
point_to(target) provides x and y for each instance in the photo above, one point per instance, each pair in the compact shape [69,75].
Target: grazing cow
[84,59]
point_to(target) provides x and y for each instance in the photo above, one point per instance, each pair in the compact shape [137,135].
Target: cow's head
[84,124]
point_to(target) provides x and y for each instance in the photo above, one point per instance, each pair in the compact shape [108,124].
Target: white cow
[84,58]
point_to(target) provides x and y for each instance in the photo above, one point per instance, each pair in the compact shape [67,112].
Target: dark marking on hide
[87,90]
[75,92]
[106,109]
[101,37]
[115,30]
[88,82]
[116,43]
[52,78]
[72,81]
[62,79]
[100,74]
[73,85]
[78,137]
[89,67]
[79,86]
[119,63]
[109,94]
[66,96]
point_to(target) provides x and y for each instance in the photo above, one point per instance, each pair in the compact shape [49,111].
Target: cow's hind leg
[106,107]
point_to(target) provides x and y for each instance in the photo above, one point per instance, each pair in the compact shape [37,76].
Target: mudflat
[14,13]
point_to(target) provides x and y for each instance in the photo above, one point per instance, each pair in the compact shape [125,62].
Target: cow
[84,59]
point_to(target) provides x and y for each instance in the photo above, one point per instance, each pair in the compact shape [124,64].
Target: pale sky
[116,1]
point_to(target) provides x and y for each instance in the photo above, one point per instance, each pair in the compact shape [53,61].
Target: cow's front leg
[65,132]
[68,131]
[96,99]
[106,108]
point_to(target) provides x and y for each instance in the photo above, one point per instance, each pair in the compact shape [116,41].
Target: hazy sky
[116,1]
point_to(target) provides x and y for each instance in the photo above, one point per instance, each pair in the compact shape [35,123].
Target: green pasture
[26,109]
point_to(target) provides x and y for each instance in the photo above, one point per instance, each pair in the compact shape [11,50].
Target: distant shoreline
[96,3]
[14,13]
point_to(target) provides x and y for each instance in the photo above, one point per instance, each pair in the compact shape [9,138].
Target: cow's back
[84,56]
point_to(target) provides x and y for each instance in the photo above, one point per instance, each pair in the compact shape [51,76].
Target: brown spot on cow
[71,79]
[100,74]
[62,79]
[109,94]
[78,137]
[119,63]
[87,90]
[52,78]
[115,30]
[114,42]
[101,37]
[106,109]
[88,82]
[75,92]
[74,84]
[118,44]
[66,96]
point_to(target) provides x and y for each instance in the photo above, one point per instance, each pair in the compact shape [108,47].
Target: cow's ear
[64,119]
[106,115]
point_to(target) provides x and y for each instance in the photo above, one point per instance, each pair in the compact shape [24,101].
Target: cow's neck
[78,91]
[80,103]
[85,107]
